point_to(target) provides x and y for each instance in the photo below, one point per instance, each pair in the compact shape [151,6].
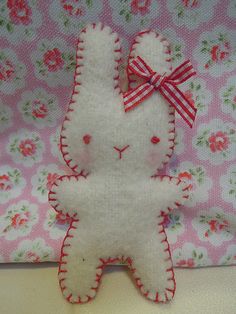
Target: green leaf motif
[128,17]
[232,192]
[177,47]
[198,87]
[66,22]
[89,3]
[9,27]
[200,256]
[181,14]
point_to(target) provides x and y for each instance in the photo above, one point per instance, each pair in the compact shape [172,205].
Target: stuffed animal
[115,143]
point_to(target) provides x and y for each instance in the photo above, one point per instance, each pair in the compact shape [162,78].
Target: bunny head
[98,136]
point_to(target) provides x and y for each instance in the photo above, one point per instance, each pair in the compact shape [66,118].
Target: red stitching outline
[54,202]
[131,79]
[114,260]
[79,63]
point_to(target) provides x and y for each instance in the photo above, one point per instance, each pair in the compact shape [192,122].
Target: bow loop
[182,73]
[166,85]
[139,67]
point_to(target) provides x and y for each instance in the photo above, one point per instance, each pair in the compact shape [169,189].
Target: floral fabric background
[37,62]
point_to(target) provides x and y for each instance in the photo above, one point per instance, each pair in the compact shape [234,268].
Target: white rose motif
[134,15]
[33,251]
[215,141]
[19,20]
[191,13]
[18,220]
[56,224]
[12,72]
[200,183]
[25,147]
[214,226]
[230,256]
[12,183]
[5,117]
[54,62]
[228,185]
[43,180]
[228,97]
[39,108]
[191,256]
[216,52]
[72,16]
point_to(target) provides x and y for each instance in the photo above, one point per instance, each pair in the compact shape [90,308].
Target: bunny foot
[156,282]
[79,272]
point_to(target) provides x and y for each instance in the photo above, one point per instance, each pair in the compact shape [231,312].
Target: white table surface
[34,289]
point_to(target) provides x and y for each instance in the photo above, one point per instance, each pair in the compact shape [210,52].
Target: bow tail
[181,104]
[134,97]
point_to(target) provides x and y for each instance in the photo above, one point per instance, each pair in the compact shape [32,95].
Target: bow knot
[164,84]
[157,80]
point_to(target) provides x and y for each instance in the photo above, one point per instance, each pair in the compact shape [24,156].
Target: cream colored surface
[34,290]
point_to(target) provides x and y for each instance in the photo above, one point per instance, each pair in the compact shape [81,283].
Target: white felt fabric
[98,111]
[118,205]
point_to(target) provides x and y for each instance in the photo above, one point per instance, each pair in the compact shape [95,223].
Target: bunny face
[98,136]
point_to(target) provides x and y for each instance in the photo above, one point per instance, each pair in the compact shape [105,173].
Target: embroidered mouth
[121,150]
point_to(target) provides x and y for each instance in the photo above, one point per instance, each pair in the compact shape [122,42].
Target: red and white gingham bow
[166,85]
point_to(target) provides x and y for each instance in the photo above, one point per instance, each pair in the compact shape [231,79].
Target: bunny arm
[72,194]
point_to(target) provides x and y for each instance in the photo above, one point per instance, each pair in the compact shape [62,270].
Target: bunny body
[118,209]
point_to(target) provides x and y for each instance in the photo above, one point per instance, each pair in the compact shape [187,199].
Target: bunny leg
[79,271]
[152,267]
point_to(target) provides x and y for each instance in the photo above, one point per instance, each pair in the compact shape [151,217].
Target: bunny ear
[154,49]
[98,49]
[96,80]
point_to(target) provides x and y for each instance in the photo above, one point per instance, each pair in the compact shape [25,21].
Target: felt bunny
[118,209]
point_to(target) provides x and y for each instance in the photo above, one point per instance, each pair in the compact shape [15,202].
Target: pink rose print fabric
[37,62]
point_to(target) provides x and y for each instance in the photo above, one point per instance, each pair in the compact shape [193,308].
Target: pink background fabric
[37,62]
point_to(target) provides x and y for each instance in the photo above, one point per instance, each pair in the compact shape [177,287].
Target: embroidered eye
[87,139]
[155,140]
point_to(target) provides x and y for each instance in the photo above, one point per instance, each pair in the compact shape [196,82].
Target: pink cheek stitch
[153,158]
[85,157]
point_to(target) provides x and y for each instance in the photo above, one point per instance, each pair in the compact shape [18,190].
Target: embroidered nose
[120,150]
